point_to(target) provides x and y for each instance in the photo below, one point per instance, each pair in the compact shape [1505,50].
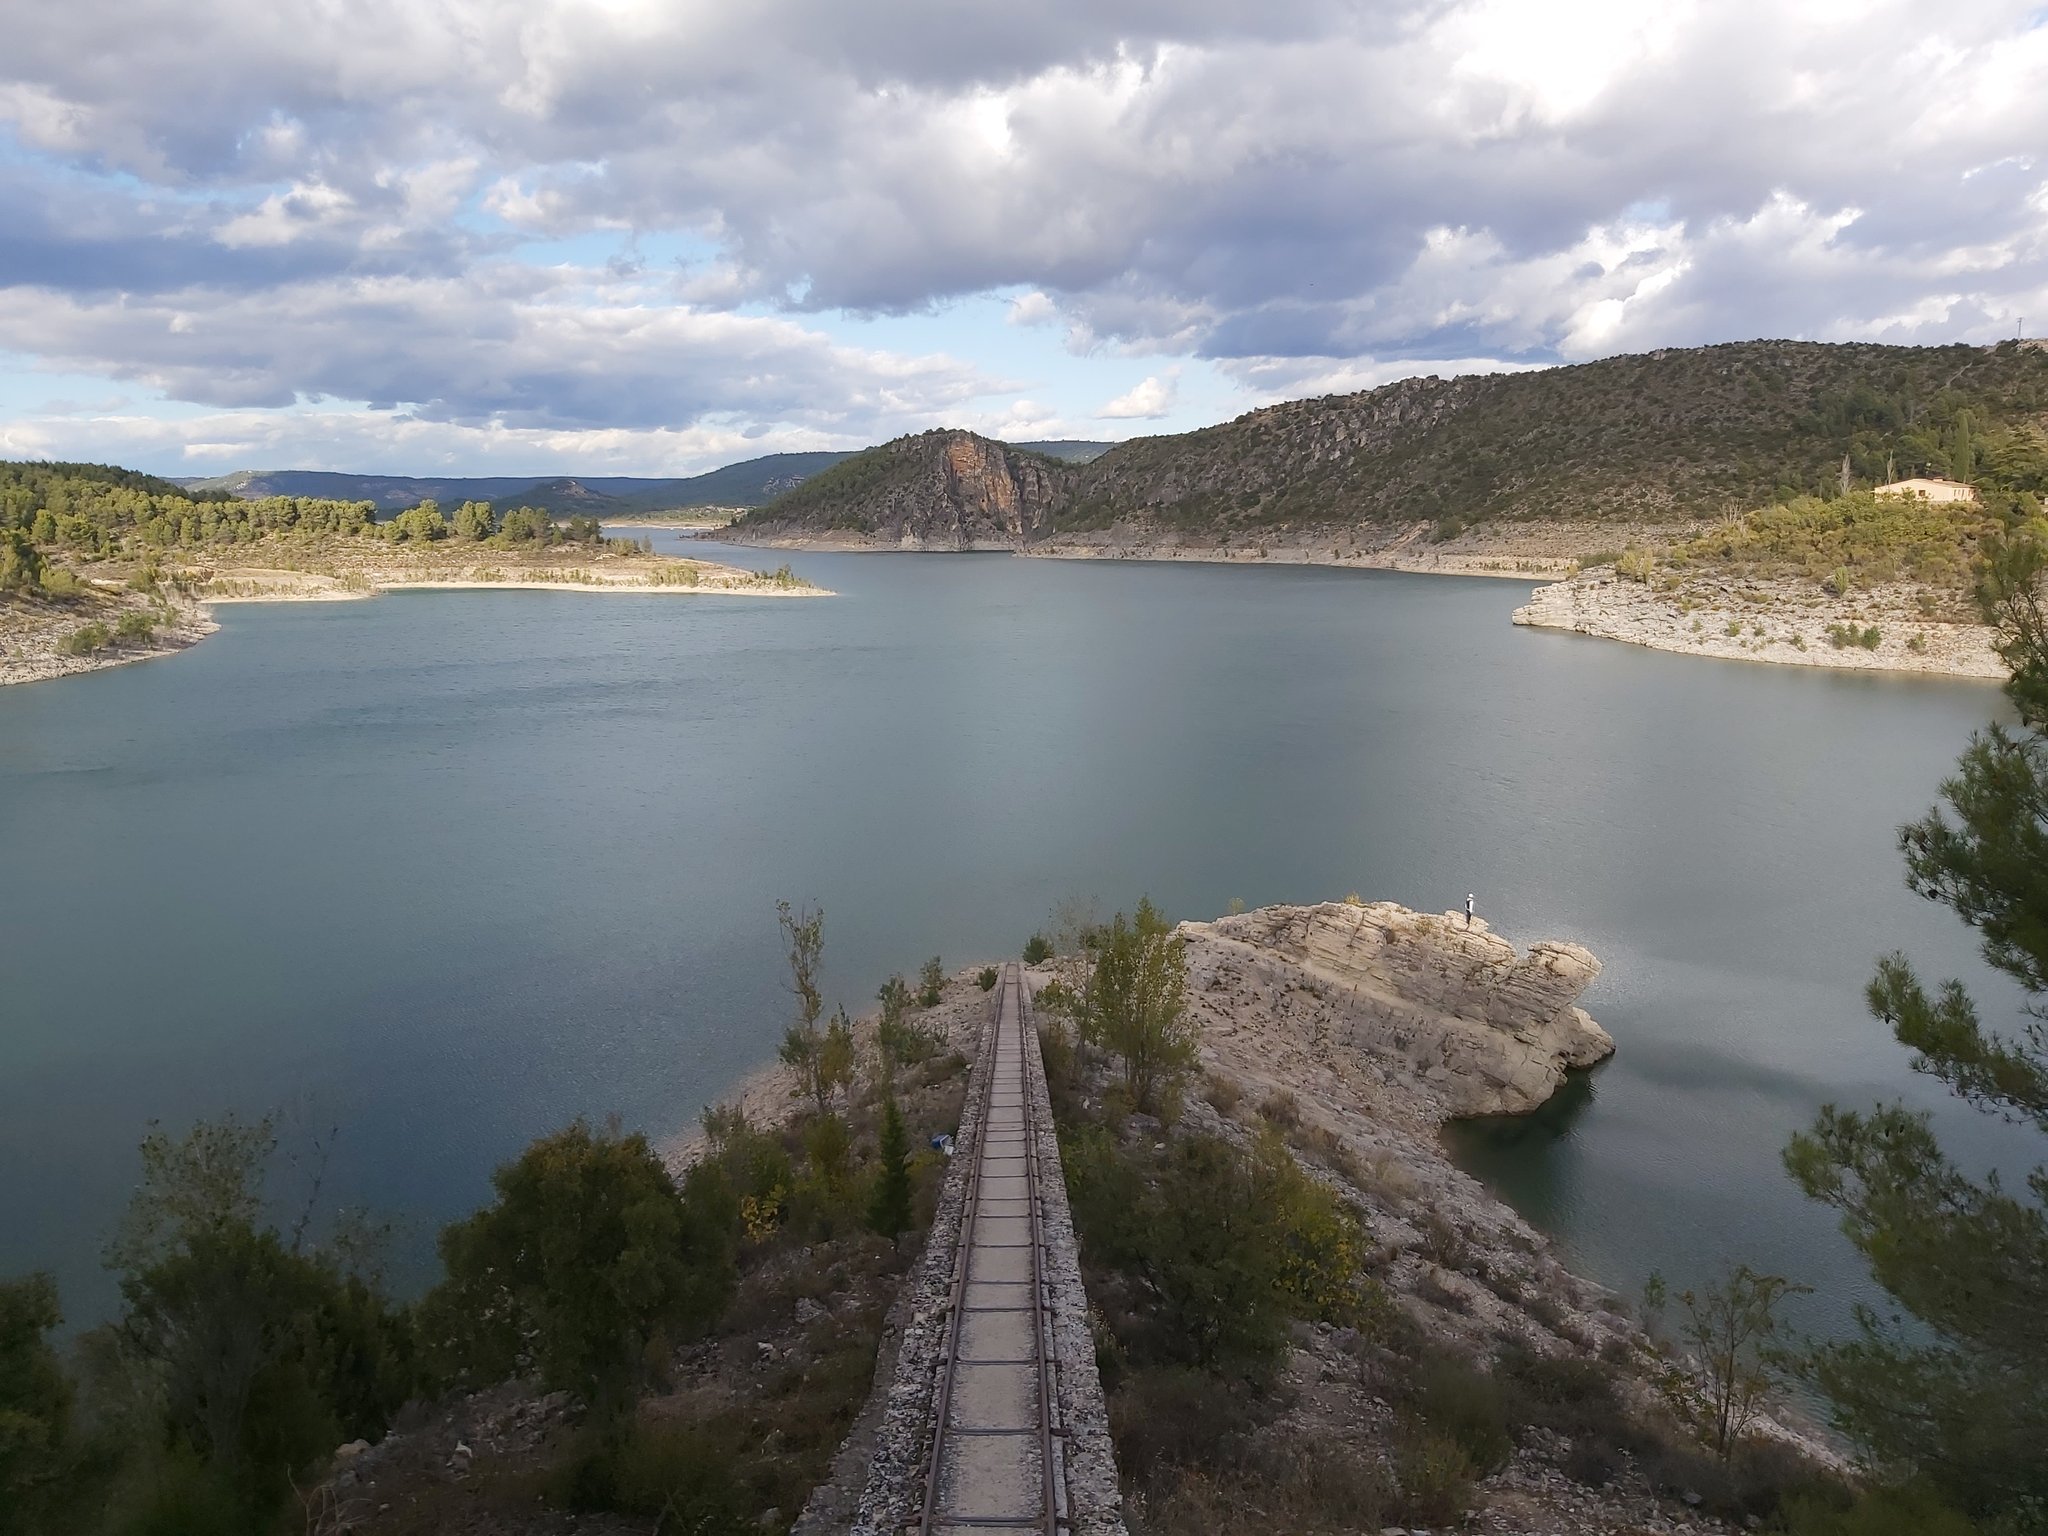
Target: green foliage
[1135,1005]
[987,978]
[475,520]
[1435,1474]
[35,1399]
[86,639]
[422,523]
[931,983]
[1466,1405]
[1959,1400]
[1877,1512]
[1678,434]
[679,1473]
[889,1209]
[579,1267]
[1731,1330]
[136,624]
[21,563]
[261,1352]
[1037,949]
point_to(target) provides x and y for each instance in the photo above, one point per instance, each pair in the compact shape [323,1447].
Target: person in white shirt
[1468,909]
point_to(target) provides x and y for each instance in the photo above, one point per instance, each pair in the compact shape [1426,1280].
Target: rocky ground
[1787,621]
[36,633]
[1356,1031]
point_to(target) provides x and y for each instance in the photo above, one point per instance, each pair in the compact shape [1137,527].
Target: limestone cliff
[1482,1028]
[937,490]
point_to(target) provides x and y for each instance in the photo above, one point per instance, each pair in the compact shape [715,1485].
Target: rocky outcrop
[937,490]
[1482,1028]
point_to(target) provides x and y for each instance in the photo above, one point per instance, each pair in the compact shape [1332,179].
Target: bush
[1435,1476]
[676,1472]
[1281,1108]
[1174,1416]
[86,640]
[1458,1400]
[135,624]
[931,982]
[987,978]
[1879,1512]
[1037,949]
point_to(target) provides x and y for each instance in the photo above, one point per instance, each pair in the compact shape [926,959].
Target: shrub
[1222,1093]
[1174,1416]
[1281,1108]
[1457,1399]
[135,625]
[85,640]
[1878,1512]
[677,1472]
[1435,1476]
[1037,949]
[1136,1006]
[580,1264]
[931,983]
[987,978]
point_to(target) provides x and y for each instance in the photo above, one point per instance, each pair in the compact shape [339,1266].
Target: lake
[445,870]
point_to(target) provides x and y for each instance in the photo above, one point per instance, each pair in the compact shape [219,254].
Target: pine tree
[889,1211]
[1961,1399]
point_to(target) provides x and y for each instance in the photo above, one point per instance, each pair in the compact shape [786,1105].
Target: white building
[1929,489]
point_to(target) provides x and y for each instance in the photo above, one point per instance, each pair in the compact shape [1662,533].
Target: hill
[1664,437]
[745,484]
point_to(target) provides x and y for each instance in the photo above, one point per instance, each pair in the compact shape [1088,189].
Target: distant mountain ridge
[1666,436]
[749,483]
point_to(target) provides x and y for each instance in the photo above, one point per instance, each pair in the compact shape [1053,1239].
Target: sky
[656,236]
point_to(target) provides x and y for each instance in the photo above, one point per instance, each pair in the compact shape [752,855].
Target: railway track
[997,1461]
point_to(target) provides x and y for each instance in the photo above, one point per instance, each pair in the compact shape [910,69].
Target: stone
[1492,1029]
[807,1311]
[352,1450]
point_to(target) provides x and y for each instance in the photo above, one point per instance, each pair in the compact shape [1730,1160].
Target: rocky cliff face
[1482,1028]
[938,490]
[1662,437]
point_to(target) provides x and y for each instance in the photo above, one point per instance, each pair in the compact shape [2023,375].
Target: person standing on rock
[1468,909]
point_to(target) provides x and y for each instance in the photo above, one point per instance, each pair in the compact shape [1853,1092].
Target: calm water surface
[448,869]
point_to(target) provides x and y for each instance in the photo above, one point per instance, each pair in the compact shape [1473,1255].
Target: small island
[101,566]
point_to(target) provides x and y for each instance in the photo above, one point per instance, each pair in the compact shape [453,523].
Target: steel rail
[1047,1513]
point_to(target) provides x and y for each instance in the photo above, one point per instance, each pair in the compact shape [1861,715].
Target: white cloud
[1147,400]
[330,201]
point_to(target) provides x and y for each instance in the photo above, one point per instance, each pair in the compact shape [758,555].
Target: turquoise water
[447,869]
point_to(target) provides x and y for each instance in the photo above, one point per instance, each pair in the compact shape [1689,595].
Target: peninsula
[102,566]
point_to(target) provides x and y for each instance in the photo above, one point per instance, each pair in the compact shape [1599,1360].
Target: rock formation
[1485,1029]
[937,490]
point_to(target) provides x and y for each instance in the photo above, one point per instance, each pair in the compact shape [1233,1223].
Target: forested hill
[744,484]
[1659,436]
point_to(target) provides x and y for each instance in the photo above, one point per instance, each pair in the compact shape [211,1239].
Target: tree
[889,1210]
[423,522]
[581,1264]
[35,1398]
[1961,1399]
[1731,1331]
[815,1058]
[1135,1005]
[1037,949]
[21,563]
[475,520]
[931,983]
[261,1349]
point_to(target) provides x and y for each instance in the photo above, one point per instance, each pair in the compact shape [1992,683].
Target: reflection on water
[456,867]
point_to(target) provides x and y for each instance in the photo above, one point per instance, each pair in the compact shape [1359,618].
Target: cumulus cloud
[1147,400]
[248,204]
